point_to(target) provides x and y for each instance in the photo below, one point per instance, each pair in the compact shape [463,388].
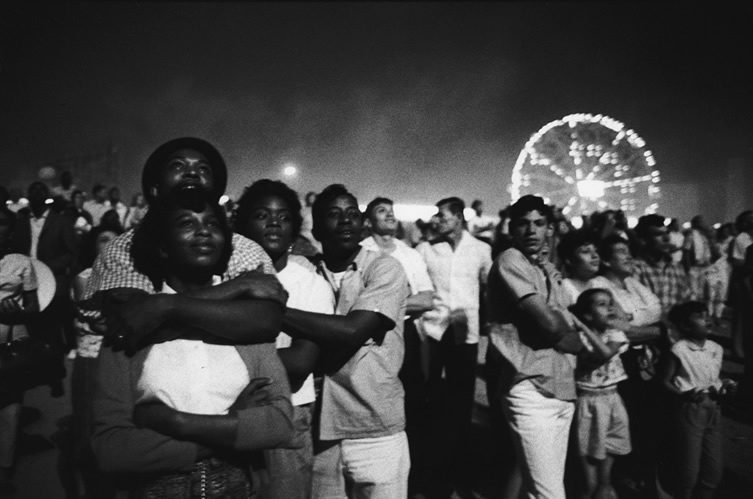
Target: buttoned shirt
[611,372]
[666,279]
[411,260]
[458,276]
[365,397]
[514,277]
[700,365]
[37,224]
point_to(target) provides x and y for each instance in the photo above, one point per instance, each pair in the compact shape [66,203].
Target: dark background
[413,100]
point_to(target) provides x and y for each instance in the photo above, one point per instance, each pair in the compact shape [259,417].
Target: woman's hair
[267,187]
[570,243]
[150,237]
[89,244]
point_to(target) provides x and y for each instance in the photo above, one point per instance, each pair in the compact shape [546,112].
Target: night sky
[416,101]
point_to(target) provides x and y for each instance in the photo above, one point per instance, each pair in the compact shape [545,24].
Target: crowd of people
[278,349]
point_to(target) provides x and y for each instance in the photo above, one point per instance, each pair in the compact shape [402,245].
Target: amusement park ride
[584,163]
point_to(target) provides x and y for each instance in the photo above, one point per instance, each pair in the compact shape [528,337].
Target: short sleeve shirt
[611,372]
[307,291]
[514,277]
[365,397]
[412,262]
[699,365]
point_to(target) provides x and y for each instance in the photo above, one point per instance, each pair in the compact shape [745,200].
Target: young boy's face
[601,312]
[698,327]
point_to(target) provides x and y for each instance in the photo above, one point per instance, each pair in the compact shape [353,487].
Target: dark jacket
[57,245]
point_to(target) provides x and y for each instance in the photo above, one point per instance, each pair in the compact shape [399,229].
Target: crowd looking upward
[294,346]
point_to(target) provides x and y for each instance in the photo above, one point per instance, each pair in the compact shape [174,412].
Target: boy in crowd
[692,373]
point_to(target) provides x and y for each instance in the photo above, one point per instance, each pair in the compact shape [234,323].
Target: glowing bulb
[591,189]
[289,170]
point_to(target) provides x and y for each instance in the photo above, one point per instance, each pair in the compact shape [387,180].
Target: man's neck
[337,262]
[386,242]
[701,342]
[38,211]
[453,238]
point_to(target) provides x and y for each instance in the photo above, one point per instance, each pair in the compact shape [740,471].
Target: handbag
[28,362]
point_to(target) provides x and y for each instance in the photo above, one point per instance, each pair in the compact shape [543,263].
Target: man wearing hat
[186,167]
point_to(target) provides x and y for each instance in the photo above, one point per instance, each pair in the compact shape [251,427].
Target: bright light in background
[49,201]
[717,225]
[224,199]
[591,189]
[632,221]
[577,222]
[686,225]
[289,170]
[411,212]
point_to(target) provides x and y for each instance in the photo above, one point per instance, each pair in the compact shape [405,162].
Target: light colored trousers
[361,468]
[540,429]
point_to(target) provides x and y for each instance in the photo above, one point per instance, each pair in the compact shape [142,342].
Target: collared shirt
[365,398]
[96,210]
[37,224]
[458,276]
[411,260]
[307,291]
[666,279]
[699,365]
[514,277]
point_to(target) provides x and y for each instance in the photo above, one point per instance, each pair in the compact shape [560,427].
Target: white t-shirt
[193,376]
[307,291]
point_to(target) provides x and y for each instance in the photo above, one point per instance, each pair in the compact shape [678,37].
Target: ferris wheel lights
[591,189]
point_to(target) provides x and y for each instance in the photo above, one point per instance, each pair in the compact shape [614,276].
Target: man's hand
[11,305]
[158,417]
[258,285]
[131,316]
[255,394]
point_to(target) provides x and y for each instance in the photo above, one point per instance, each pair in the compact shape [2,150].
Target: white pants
[540,428]
[363,468]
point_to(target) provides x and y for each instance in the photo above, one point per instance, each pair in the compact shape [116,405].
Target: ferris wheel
[584,163]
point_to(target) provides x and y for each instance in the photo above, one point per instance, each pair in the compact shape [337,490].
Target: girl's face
[194,239]
[271,225]
[103,238]
[601,311]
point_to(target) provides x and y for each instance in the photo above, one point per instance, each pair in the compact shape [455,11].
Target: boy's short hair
[647,221]
[527,204]
[583,303]
[455,204]
[680,314]
[374,203]
[571,241]
[322,201]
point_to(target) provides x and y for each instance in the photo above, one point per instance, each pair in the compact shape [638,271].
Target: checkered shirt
[114,268]
[666,279]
